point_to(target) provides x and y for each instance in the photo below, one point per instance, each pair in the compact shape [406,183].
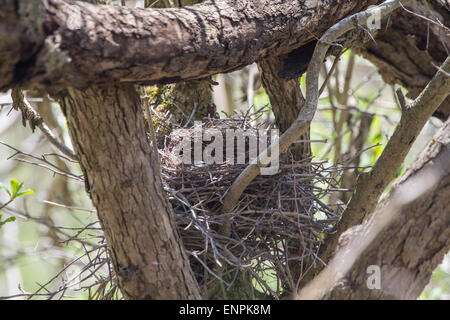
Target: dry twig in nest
[273,212]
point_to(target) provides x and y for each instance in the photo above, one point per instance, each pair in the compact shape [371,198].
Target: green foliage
[14,192]
[261,100]
[10,219]
[439,286]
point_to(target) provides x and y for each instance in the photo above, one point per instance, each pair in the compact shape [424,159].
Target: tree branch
[304,118]
[406,237]
[123,179]
[35,120]
[57,43]
[407,51]
[370,186]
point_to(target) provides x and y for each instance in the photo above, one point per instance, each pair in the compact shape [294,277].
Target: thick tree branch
[406,237]
[304,118]
[415,40]
[57,43]
[370,186]
[286,99]
[123,179]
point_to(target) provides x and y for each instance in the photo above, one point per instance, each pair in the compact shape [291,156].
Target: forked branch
[301,124]
[370,186]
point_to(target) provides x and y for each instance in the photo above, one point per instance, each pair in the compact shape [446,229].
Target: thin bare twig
[35,120]
[47,164]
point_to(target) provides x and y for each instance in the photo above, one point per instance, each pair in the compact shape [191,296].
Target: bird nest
[278,223]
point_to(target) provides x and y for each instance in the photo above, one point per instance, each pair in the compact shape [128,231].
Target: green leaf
[31,191]
[10,219]
[14,186]
[15,189]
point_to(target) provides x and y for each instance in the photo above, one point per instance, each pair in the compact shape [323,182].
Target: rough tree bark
[286,99]
[406,239]
[122,172]
[76,42]
[58,44]
[408,51]
[186,100]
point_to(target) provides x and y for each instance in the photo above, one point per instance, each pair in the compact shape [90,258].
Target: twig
[441,70]
[68,207]
[55,169]
[401,99]
[335,63]
[5,204]
[192,115]
[439,24]
[35,120]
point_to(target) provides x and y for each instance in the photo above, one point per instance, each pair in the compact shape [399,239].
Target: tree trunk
[122,172]
[83,52]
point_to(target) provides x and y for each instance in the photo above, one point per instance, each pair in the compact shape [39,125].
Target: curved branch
[370,186]
[304,118]
[408,52]
[406,237]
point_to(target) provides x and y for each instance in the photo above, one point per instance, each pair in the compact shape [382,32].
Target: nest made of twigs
[279,221]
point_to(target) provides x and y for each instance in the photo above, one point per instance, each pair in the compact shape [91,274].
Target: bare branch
[42,162]
[301,124]
[412,64]
[150,45]
[35,120]
[397,237]
[370,186]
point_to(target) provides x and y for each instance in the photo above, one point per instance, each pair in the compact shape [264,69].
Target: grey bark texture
[121,168]
[60,42]
[408,47]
